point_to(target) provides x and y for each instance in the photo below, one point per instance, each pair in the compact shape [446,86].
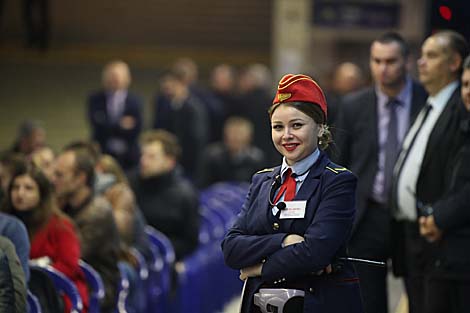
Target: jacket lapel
[371,121]
[418,100]
[442,126]
[264,196]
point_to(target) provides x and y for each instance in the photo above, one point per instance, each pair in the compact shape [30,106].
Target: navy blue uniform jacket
[330,193]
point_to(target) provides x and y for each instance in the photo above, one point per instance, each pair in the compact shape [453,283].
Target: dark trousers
[446,296]
[371,240]
[414,287]
[415,258]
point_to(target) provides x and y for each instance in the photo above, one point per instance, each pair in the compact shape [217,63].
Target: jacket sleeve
[67,250]
[188,239]
[326,235]
[242,249]
[343,133]
[453,212]
[17,233]
[7,293]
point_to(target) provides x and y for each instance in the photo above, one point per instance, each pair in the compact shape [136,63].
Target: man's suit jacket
[257,236]
[104,129]
[357,138]
[452,213]
[449,256]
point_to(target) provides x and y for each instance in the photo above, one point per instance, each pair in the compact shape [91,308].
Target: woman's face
[294,134]
[24,193]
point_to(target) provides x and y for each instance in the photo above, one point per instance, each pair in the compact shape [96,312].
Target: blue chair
[161,245]
[142,267]
[205,231]
[215,222]
[64,286]
[164,246]
[123,290]
[138,296]
[155,296]
[33,303]
[95,284]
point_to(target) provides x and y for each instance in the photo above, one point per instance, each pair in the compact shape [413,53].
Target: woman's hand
[292,239]
[251,271]
[42,261]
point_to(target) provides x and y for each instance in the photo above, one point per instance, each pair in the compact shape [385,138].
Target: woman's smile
[290,146]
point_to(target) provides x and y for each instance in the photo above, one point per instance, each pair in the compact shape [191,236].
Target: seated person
[74,179]
[167,200]
[234,159]
[52,234]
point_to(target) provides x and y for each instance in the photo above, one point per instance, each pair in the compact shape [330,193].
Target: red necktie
[288,186]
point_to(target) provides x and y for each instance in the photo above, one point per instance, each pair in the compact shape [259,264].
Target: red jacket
[58,240]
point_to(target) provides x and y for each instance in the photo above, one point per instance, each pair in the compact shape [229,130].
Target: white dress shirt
[410,162]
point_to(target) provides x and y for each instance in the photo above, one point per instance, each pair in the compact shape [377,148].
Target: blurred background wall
[310,36]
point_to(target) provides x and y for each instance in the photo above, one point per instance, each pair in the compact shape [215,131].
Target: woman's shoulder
[59,222]
[333,170]
[266,170]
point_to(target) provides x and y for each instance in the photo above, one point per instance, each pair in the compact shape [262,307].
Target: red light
[445,12]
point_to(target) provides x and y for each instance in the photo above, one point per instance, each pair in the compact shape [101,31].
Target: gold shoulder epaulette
[265,170]
[337,170]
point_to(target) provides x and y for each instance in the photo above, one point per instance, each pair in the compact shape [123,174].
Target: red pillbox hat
[302,88]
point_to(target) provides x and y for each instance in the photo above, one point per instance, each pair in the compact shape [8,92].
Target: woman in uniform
[297,218]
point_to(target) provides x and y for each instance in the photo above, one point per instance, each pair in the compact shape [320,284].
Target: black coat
[218,165]
[170,204]
[189,123]
[433,189]
[451,256]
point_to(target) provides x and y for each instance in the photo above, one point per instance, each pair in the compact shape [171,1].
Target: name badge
[294,209]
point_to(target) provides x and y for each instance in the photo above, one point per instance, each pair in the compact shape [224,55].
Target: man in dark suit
[180,112]
[371,126]
[115,115]
[435,259]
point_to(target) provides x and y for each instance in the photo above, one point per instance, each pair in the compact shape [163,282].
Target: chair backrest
[123,290]
[162,242]
[42,287]
[160,277]
[33,303]
[205,230]
[63,285]
[142,267]
[95,284]
[215,222]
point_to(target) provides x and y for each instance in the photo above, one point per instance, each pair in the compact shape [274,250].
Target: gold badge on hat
[283,96]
